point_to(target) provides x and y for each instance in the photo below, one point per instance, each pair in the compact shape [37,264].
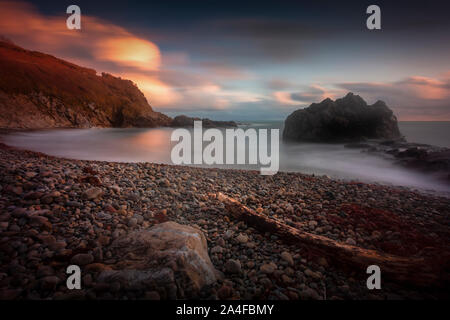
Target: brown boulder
[167,255]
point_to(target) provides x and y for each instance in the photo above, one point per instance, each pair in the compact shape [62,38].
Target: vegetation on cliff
[38,90]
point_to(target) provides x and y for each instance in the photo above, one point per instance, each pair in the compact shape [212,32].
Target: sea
[155,145]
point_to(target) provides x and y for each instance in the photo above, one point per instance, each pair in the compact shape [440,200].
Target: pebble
[217,249]
[233,266]
[225,292]
[49,282]
[132,222]
[92,193]
[152,295]
[268,268]
[82,259]
[309,294]
[286,256]
[242,238]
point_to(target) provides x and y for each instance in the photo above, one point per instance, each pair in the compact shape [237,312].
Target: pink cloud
[413,98]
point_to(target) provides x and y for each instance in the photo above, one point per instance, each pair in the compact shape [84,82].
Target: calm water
[434,133]
[154,145]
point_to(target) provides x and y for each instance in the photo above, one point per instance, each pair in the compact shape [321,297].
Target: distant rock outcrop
[38,90]
[418,156]
[185,121]
[346,119]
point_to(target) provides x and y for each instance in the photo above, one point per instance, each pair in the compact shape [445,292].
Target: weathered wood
[416,271]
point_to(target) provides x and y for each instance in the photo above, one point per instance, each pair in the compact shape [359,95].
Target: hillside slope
[40,91]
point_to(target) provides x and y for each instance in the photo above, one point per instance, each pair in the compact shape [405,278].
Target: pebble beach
[56,211]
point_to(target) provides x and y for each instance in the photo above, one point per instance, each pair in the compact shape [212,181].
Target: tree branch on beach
[417,271]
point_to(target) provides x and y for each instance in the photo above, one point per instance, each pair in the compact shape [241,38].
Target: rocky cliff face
[40,91]
[346,119]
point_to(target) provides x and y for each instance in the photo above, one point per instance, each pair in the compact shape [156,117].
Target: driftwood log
[414,271]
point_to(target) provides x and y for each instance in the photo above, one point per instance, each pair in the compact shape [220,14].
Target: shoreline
[49,218]
[425,190]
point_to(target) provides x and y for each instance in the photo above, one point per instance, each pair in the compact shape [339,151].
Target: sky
[252,60]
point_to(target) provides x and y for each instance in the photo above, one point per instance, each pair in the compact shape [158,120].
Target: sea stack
[347,119]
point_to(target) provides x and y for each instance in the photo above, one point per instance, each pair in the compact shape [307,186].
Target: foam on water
[154,145]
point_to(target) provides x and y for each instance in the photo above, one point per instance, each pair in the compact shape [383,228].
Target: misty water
[154,145]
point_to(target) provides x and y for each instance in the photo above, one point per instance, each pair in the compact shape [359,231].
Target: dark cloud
[264,110]
[223,69]
[249,40]
[269,28]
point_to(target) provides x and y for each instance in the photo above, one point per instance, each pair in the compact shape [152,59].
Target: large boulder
[169,258]
[346,119]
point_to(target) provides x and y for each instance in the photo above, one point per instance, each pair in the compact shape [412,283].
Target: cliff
[38,90]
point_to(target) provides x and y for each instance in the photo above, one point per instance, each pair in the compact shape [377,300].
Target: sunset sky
[252,60]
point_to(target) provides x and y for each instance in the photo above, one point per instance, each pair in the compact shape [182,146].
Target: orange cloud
[97,40]
[130,51]
[157,92]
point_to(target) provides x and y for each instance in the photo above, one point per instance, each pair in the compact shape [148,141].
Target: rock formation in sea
[185,121]
[423,157]
[38,90]
[347,119]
